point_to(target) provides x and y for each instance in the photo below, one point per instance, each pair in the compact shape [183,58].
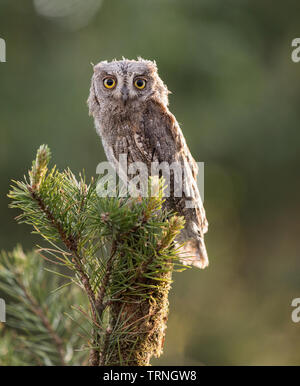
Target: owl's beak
[125,94]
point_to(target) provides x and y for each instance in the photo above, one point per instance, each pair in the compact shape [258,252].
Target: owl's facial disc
[129,83]
[122,85]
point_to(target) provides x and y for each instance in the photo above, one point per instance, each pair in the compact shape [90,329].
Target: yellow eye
[109,82]
[140,83]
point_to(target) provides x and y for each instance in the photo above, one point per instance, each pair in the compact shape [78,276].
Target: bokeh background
[236,94]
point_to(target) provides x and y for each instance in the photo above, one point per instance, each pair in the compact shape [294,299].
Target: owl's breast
[126,133]
[132,142]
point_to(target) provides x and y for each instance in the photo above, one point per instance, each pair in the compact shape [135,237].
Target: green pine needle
[119,254]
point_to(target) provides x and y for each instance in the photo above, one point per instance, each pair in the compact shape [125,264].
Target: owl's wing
[166,138]
[167,141]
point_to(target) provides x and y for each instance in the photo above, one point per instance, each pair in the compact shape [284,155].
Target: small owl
[129,103]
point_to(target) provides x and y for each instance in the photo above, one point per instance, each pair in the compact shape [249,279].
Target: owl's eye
[109,82]
[140,83]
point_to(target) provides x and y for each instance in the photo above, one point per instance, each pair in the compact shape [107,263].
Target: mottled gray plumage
[138,122]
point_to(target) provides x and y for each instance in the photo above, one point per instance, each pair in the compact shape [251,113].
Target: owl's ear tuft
[98,66]
[153,64]
[150,63]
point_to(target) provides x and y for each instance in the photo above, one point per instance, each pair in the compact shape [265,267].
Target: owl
[129,104]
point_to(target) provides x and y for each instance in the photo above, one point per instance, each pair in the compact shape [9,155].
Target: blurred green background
[236,94]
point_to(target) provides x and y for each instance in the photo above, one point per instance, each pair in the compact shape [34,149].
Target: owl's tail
[194,253]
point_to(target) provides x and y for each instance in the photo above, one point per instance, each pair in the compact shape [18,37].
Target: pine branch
[100,305]
[35,328]
[121,252]
[40,313]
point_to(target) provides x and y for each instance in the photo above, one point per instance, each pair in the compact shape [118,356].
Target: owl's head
[126,83]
